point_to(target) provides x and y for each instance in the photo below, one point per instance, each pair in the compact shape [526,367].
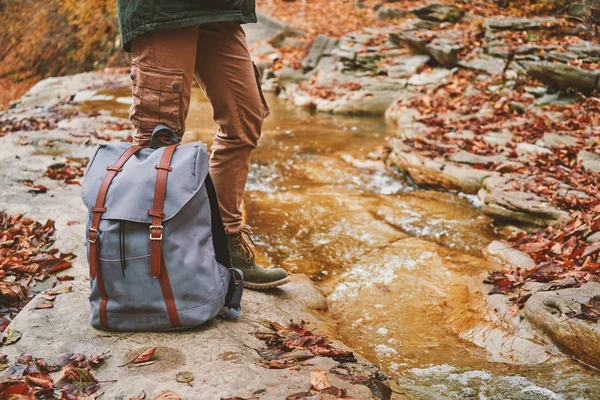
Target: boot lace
[242,241]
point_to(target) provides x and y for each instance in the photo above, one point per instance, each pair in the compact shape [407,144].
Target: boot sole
[269,285]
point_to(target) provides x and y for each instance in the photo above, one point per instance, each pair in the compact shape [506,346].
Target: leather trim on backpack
[93,237]
[165,286]
[157,261]
[156,229]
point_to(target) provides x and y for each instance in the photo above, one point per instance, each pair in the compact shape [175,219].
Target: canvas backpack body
[156,246]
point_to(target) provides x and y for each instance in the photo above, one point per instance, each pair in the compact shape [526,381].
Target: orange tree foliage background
[54,37]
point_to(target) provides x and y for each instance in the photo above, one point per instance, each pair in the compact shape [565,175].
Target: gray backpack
[156,246]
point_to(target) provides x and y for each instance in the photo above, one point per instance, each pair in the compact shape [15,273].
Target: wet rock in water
[52,91]
[385,13]
[406,66]
[321,44]
[521,24]
[287,74]
[437,172]
[520,207]
[550,312]
[439,12]
[444,51]
[589,160]
[562,74]
[507,254]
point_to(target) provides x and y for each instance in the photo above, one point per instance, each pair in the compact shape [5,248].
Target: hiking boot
[242,258]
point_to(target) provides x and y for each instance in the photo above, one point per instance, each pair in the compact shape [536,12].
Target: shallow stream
[400,264]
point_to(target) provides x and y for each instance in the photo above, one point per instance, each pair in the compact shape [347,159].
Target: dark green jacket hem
[235,16]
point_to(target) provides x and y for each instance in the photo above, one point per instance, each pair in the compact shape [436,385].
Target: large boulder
[321,45]
[562,74]
[521,23]
[445,51]
[385,13]
[551,313]
[439,12]
[436,172]
[521,207]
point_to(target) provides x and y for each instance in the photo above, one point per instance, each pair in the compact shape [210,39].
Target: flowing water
[401,265]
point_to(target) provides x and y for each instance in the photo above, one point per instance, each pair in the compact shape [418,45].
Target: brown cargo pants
[217,56]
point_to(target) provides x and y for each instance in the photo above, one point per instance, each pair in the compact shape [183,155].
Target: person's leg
[224,70]
[162,71]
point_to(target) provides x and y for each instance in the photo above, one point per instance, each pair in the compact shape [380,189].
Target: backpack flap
[131,193]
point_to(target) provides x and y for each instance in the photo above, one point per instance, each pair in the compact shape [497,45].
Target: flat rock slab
[547,311]
[220,355]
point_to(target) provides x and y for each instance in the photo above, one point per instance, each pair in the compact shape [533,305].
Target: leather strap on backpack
[157,261]
[93,238]
[157,211]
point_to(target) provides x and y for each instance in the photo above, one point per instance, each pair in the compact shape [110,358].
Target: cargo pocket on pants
[266,110]
[157,97]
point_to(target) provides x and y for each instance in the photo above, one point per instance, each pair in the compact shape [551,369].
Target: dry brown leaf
[167,395]
[40,379]
[319,379]
[144,357]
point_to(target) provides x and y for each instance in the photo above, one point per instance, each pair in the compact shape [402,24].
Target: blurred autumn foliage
[54,37]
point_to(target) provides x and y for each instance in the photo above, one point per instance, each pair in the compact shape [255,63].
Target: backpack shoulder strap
[233,297]
[93,237]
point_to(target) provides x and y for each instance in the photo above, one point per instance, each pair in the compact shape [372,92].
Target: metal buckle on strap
[95,232]
[156,227]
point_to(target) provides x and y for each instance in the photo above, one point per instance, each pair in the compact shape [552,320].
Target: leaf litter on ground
[26,257]
[29,378]
[289,346]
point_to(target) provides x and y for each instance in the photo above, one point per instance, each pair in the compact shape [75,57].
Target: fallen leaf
[185,377]
[39,379]
[167,395]
[60,290]
[319,380]
[10,336]
[144,357]
[44,305]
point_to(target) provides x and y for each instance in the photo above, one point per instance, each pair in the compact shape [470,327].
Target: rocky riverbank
[501,107]
[222,359]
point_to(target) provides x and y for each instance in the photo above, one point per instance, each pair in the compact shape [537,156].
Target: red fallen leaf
[38,189]
[65,278]
[17,391]
[70,223]
[145,357]
[534,247]
[55,265]
[44,305]
[40,379]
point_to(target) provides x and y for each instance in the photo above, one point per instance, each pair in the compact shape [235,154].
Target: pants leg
[162,71]
[224,70]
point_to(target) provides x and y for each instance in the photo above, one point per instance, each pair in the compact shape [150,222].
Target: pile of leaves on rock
[26,257]
[34,378]
[566,256]
[289,346]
